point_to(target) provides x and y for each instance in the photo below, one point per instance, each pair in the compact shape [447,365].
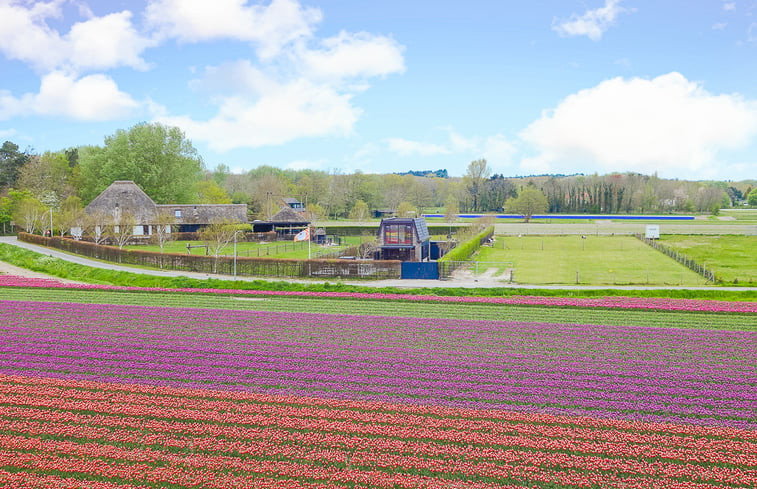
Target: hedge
[464,250]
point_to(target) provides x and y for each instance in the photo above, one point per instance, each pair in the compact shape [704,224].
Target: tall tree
[475,176]
[158,158]
[11,161]
[48,177]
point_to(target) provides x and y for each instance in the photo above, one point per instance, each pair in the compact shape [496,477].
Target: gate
[426,270]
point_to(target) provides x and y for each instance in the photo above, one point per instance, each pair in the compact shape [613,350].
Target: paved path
[465,283]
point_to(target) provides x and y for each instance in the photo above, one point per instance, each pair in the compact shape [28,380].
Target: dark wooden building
[287,223]
[405,239]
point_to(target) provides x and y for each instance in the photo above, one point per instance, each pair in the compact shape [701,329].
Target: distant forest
[165,164]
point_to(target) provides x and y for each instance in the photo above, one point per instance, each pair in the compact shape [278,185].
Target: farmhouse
[404,239]
[124,196]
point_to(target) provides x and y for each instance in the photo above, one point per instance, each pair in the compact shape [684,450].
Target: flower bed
[650,303]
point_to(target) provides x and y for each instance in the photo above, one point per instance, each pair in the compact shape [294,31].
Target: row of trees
[168,168]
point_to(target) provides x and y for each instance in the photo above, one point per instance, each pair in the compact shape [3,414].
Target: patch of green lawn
[733,258]
[277,249]
[593,260]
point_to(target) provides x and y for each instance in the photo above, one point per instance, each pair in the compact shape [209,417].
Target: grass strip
[71,271]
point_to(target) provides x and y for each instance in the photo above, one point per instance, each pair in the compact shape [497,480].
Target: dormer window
[177,213]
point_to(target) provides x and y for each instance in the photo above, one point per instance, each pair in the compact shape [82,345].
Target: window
[177,213]
[398,234]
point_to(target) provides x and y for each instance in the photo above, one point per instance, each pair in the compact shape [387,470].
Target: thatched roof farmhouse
[126,196]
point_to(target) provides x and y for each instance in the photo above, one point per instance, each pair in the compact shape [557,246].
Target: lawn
[600,260]
[276,249]
[733,258]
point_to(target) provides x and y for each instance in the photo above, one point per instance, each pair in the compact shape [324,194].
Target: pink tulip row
[651,303]
[164,435]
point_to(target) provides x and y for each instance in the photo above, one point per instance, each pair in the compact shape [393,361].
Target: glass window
[398,234]
[177,213]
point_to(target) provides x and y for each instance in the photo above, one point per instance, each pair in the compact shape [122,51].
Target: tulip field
[105,387]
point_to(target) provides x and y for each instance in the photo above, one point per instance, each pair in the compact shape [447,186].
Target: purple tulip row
[652,374]
[651,303]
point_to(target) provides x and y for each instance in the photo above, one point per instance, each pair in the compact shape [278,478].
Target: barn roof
[205,213]
[127,196]
[288,215]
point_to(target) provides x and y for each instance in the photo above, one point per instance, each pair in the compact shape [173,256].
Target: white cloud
[283,113]
[91,98]
[719,26]
[497,149]
[302,92]
[354,55]
[593,23]
[271,27]
[667,124]
[729,6]
[97,43]
[405,147]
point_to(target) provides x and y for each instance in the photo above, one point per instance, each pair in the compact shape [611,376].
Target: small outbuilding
[405,239]
[286,223]
[294,204]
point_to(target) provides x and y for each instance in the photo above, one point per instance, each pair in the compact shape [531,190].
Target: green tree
[451,209]
[209,192]
[406,209]
[475,176]
[359,211]
[529,201]
[48,177]
[70,216]
[27,213]
[158,158]
[11,161]
[752,197]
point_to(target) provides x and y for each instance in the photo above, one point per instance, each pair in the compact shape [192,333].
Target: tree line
[164,163]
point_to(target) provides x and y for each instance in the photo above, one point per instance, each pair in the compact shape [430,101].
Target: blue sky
[533,87]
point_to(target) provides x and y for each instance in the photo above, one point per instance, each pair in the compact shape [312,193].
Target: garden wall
[256,267]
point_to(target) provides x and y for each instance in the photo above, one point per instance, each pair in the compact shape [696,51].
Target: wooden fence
[255,267]
[684,260]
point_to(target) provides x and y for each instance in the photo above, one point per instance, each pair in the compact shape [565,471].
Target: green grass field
[277,249]
[600,260]
[733,258]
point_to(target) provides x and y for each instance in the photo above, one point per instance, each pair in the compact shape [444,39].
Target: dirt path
[8,269]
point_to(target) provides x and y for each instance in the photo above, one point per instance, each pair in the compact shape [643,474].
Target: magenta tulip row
[651,374]
[651,303]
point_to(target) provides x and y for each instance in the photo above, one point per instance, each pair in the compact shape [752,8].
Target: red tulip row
[189,437]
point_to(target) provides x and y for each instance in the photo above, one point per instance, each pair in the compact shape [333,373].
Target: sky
[545,86]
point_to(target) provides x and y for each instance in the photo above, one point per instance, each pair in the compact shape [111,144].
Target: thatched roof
[126,196]
[287,215]
[205,213]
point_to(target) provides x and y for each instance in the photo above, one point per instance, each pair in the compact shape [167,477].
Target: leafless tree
[164,223]
[96,226]
[217,235]
[121,228]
